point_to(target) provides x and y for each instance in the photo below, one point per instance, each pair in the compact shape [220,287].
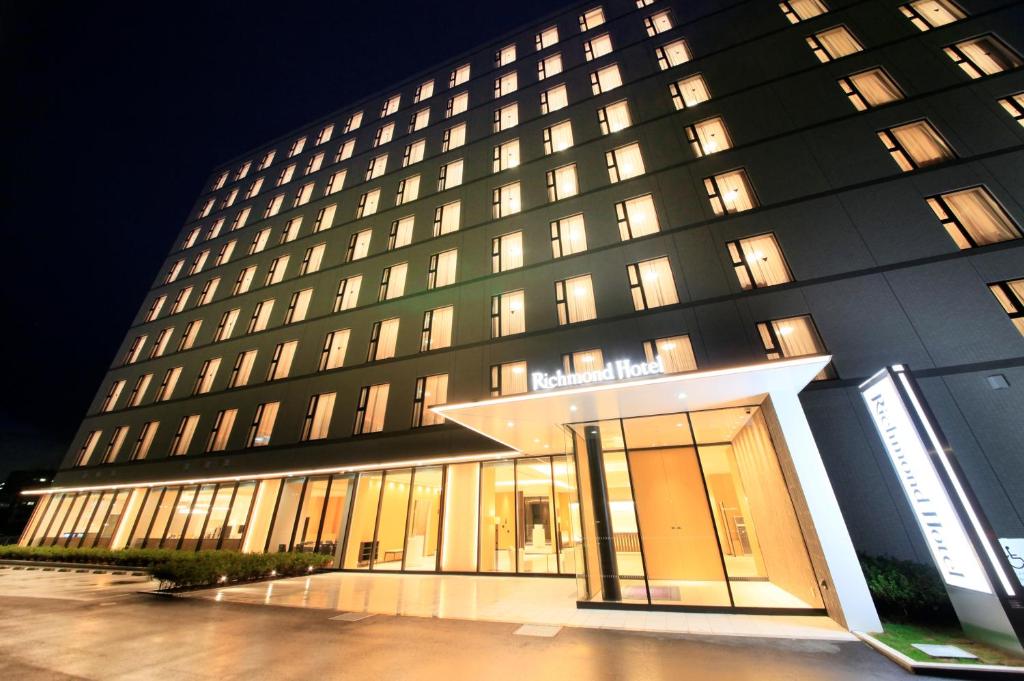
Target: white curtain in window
[561,136]
[735,191]
[371,203]
[579,298]
[513,378]
[676,354]
[511,251]
[396,281]
[628,161]
[508,116]
[453,174]
[838,42]
[676,53]
[565,182]
[600,46]
[608,78]
[376,407]
[350,292]
[988,55]
[322,416]
[617,116]
[558,98]
[403,231]
[435,392]
[337,349]
[362,246]
[265,427]
[388,339]
[441,327]
[508,197]
[922,143]
[657,282]
[411,189]
[456,136]
[446,264]
[572,234]
[712,135]
[508,155]
[797,337]
[450,214]
[981,216]
[805,9]
[693,90]
[875,87]
[763,257]
[513,313]
[643,219]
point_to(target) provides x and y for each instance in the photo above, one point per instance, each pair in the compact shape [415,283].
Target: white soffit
[532,422]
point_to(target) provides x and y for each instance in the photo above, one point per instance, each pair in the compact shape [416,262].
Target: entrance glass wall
[697,514]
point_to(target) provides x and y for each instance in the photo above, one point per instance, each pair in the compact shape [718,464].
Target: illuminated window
[506,155]
[506,84]
[287,173]
[183,436]
[624,162]
[255,187]
[390,105]
[259,241]
[708,137]
[325,218]
[227,325]
[419,120]
[507,252]
[1014,105]
[915,145]
[558,137]
[298,306]
[408,190]
[983,56]
[383,339]
[506,117]
[312,260]
[376,167]
[348,293]
[274,206]
[437,328]
[204,379]
[614,117]
[929,14]
[154,309]
[441,271]
[222,425]
[833,43]
[267,159]
[508,379]
[315,163]
[793,337]
[297,147]
[335,346]
[190,238]
[242,370]
[318,417]
[368,203]
[260,316]
[160,342]
[115,444]
[240,217]
[449,175]
[262,424]
[170,380]
[546,38]
[508,314]
[553,99]
[758,261]
[636,217]
[869,89]
[335,182]
[505,200]
[144,441]
[676,353]
[457,104]
[112,395]
[278,267]
[138,392]
[549,66]
[392,281]
[651,284]
[454,137]
[658,23]
[219,182]
[802,10]
[672,54]
[605,79]
[424,91]
[198,263]
[207,207]
[1010,295]
[370,409]
[447,217]
[973,218]
[568,236]
[401,232]
[216,228]
[730,192]
[134,350]
[431,391]
[592,18]
[281,362]
[345,150]
[188,336]
[562,183]
[459,76]
[689,91]
[324,135]
[244,281]
[229,199]
[353,122]
[225,253]
[583,360]
[181,299]
[505,56]
[574,300]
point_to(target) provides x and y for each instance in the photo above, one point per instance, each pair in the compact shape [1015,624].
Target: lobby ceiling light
[681,396]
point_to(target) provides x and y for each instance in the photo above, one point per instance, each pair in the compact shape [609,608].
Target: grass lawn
[901,636]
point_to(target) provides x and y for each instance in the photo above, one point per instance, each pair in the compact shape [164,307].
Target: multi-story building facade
[371,337]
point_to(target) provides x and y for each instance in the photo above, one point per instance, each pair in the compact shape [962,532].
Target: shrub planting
[905,591]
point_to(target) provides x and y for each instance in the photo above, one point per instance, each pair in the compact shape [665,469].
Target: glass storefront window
[424,514]
[335,510]
[497,517]
[360,547]
[179,514]
[284,520]
[390,534]
[238,520]
[536,540]
[461,520]
[216,515]
[311,510]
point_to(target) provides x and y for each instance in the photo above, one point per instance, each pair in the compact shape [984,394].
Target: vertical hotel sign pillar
[978,578]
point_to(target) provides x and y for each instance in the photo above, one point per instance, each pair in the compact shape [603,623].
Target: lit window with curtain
[568,236]
[261,316]
[242,370]
[605,79]
[424,91]
[505,56]
[597,47]
[88,447]
[392,282]
[658,23]
[574,300]
[183,437]
[869,89]
[672,54]
[730,192]
[708,137]
[442,268]
[376,167]
[986,55]
[457,105]
[1014,105]
[562,182]
[506,200]
[318,417]
[929,14]
[419,120]
[689,91]
[204,380]
[793,337]
[262,426]
[915,145]
[651,284]
[1010,295]
[221,431]
[636,217]
[298,306]
[358,245]
[802,10]
[313,259]
[414,153]
[437,328]
[145,441]
[332,356]
[449,175]
[508,314]
[447,217]
[348,293]
[459,76]
[401,232]
[614,117]
[368,204]
[431,391]
[583,360]
[371,408]
[383,340]
[112,395]
[506,155]
[454,137]
[624,162]
[281,362]
[139,391]
[384,134]
[408,190]
[973,218]
[554,99]
[592,18]
[676,353]
[507,252]
[508,379]
[115,444]
[549,66]
[833,43]
[506,84]
[558,137]
[546,38]
[758,261]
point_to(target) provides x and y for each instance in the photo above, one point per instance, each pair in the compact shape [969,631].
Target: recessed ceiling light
[572,407]
[510,424]
[681,396]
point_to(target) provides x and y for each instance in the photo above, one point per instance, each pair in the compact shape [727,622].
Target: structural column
[602,515]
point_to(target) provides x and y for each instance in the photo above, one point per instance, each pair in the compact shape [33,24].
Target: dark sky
[114,115]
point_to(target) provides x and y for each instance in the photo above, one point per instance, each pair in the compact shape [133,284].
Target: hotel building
[593,300]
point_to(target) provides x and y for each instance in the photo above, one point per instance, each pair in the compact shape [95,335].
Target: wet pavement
[84,626]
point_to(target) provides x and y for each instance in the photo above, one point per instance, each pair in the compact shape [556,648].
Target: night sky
[115,115]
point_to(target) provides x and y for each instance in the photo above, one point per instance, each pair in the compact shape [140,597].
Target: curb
[55,566]
[943,669]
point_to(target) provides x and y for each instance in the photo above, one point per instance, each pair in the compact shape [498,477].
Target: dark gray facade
[871,264]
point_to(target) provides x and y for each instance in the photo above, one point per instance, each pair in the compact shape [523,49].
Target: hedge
[181,569]
[904,591]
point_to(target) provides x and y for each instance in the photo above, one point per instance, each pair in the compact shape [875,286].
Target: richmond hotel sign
[621,370]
